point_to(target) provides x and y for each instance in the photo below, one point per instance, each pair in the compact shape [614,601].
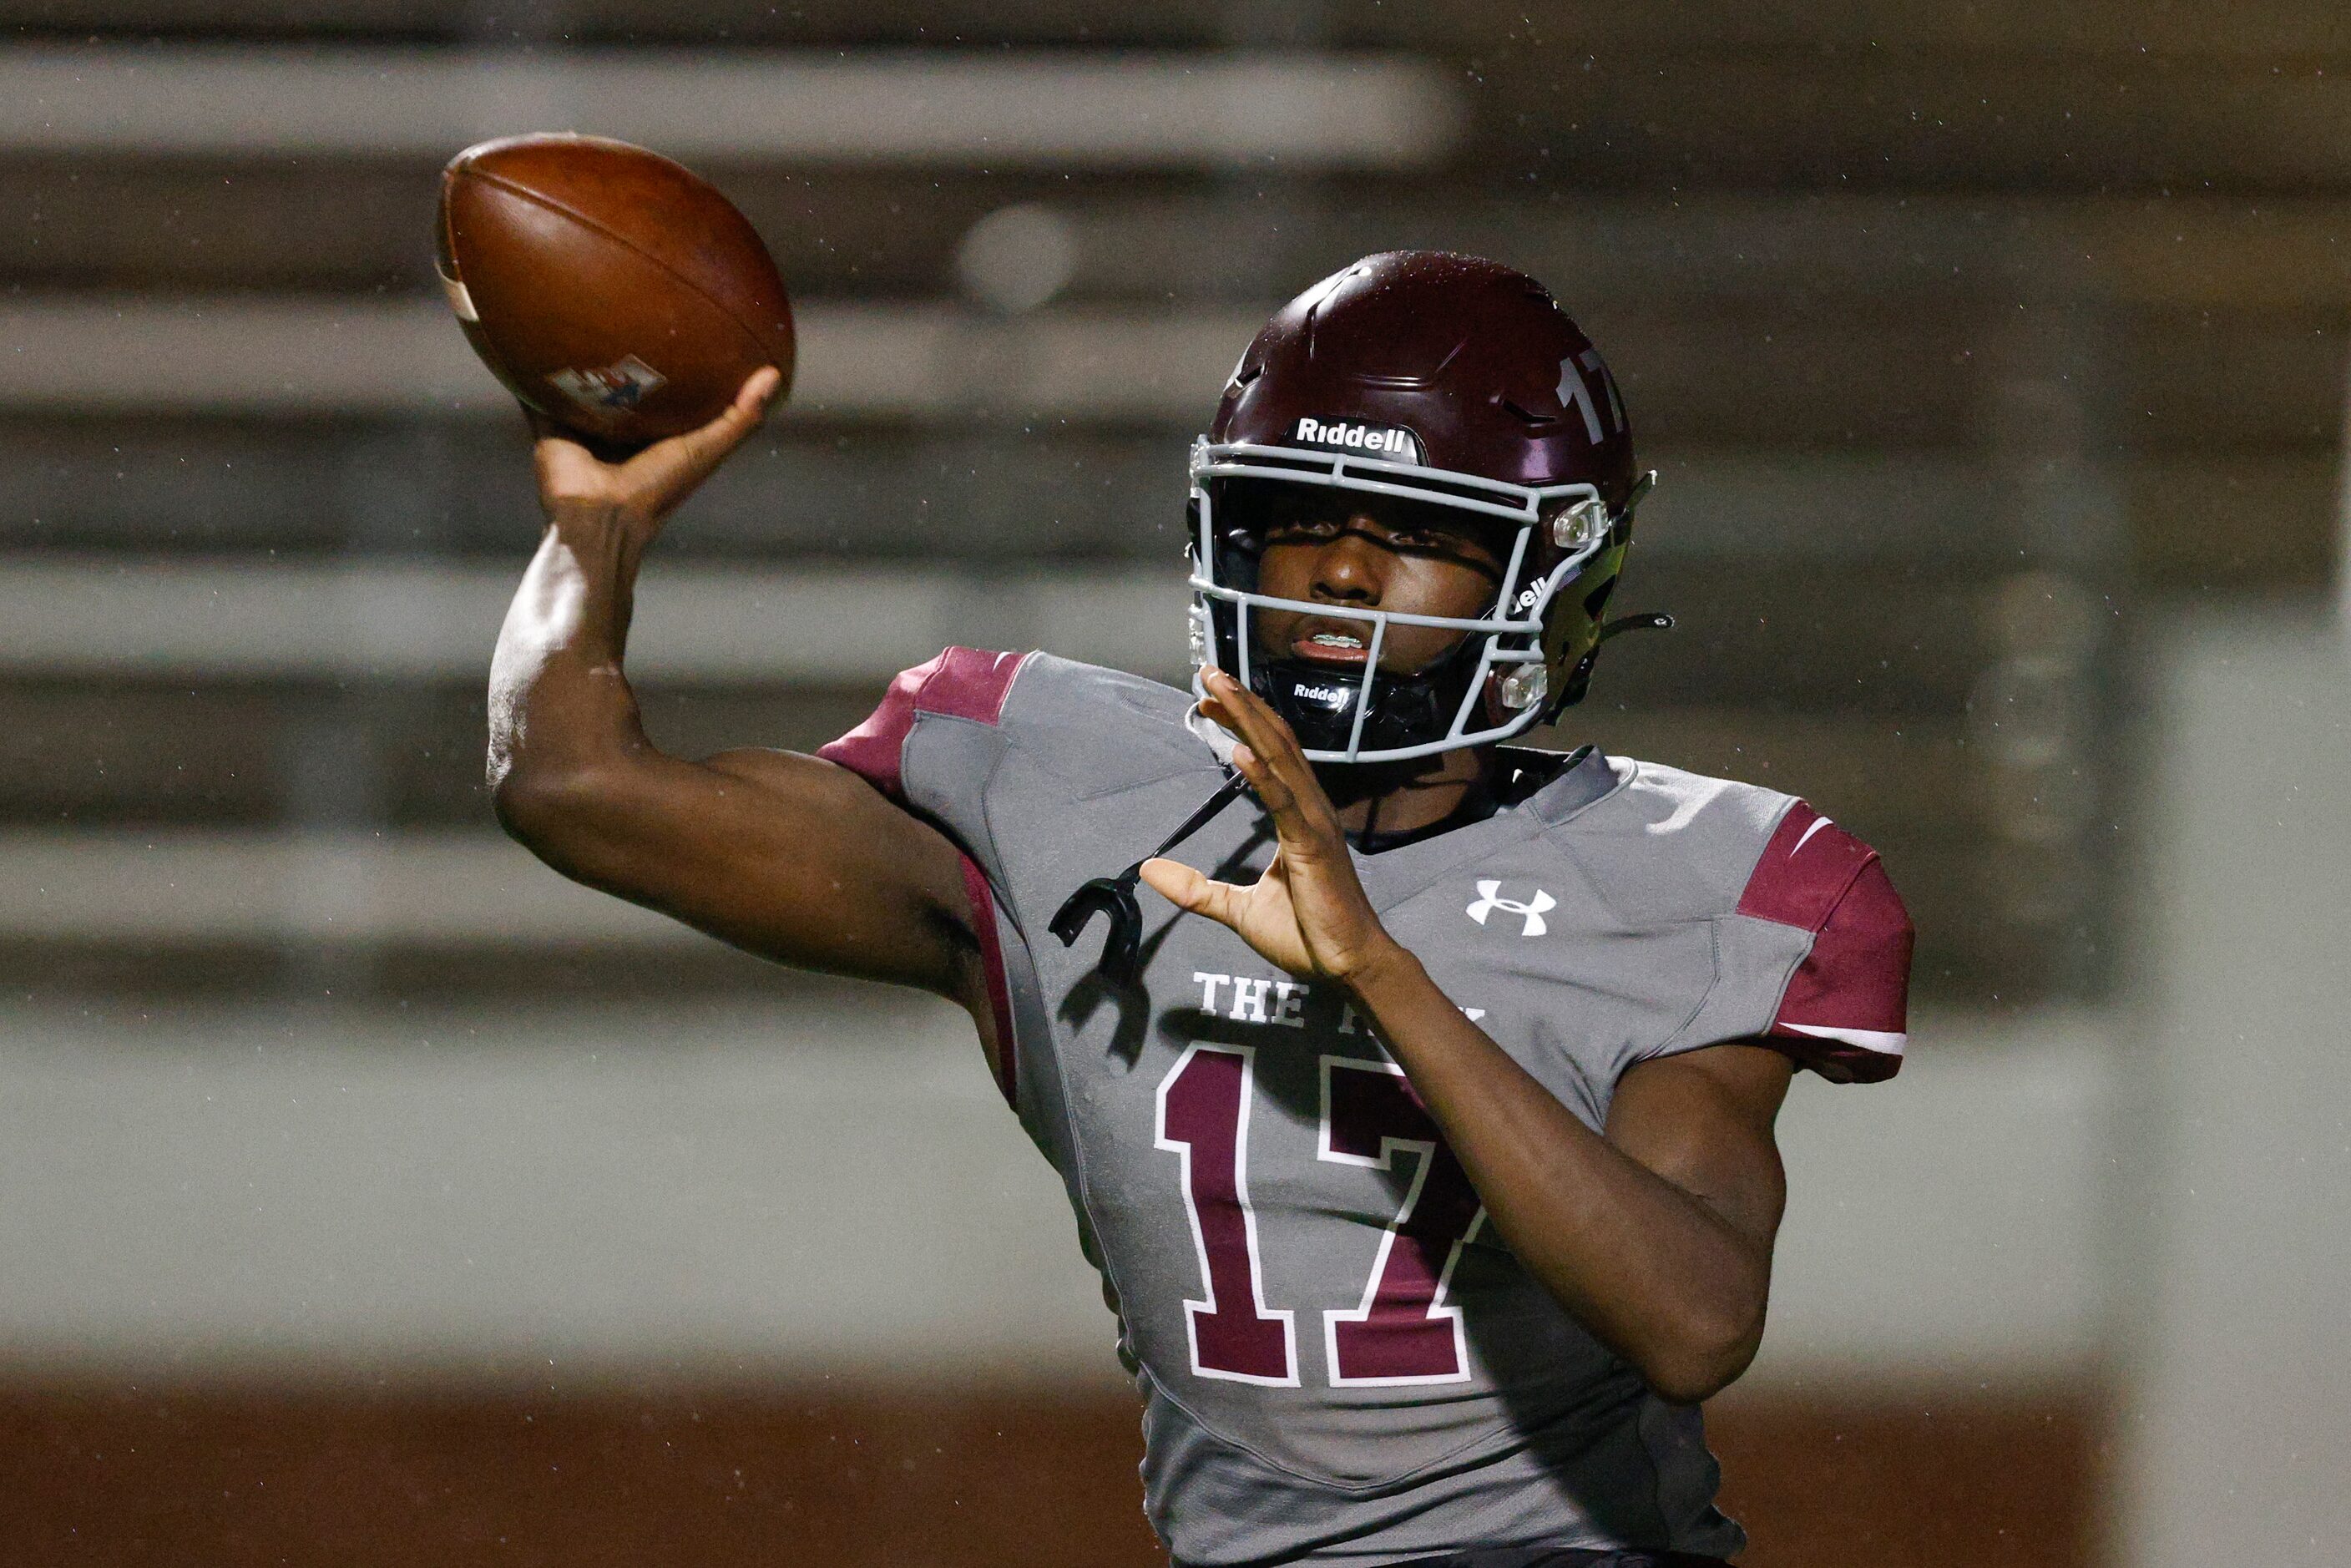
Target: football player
[1415,1096]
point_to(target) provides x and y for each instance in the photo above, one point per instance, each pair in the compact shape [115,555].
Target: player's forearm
[1650,1269]
[559,703]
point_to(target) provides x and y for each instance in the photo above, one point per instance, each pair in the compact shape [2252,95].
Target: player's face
[1369,553]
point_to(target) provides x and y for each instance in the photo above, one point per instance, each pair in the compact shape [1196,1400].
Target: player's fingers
[1272,792]
[1244,715]
[1278,744]
[699,450]
[1251,718]
[1290,795]
[1281,741]
[1190,889]
[738,418]
[1258,711]
[1305,828]
[758,393]
[668,469]
[1281,759]
[1296,823]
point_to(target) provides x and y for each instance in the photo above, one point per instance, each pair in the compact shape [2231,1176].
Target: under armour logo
[1489,899]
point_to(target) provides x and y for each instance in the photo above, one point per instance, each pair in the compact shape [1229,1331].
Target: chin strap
[1114,895]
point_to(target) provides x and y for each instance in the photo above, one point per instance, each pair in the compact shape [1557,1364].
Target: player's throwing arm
[787,856]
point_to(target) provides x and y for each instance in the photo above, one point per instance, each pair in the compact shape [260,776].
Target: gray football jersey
[1339,1357]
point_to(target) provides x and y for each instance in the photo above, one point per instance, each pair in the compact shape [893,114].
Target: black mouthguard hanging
[1114,895]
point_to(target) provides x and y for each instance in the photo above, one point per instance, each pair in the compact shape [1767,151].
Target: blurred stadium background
[369,1195]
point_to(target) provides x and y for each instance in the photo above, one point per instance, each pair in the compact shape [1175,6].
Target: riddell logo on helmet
[1391,442]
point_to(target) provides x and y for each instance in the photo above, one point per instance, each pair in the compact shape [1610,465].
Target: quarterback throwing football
[1416,1095]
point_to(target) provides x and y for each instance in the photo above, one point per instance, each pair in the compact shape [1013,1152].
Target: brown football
[612,291]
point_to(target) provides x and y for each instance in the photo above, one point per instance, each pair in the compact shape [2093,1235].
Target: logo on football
[623,385]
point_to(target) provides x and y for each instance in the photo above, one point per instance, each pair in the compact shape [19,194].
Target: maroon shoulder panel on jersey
[1845,1011]
[962,683]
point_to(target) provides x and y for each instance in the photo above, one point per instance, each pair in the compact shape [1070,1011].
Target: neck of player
[1405,797]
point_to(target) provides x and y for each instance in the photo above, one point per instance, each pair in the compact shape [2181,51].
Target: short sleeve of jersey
[957,700]
[967,684]
[1843,1011]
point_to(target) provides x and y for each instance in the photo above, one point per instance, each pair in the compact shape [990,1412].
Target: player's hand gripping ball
[614,291]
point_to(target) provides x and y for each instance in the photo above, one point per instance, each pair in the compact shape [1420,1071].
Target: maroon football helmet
[1437,379]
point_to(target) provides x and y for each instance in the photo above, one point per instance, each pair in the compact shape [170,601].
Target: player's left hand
[1308,912]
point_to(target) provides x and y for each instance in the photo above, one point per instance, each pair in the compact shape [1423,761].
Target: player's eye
[1432,539]
[1288,528]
